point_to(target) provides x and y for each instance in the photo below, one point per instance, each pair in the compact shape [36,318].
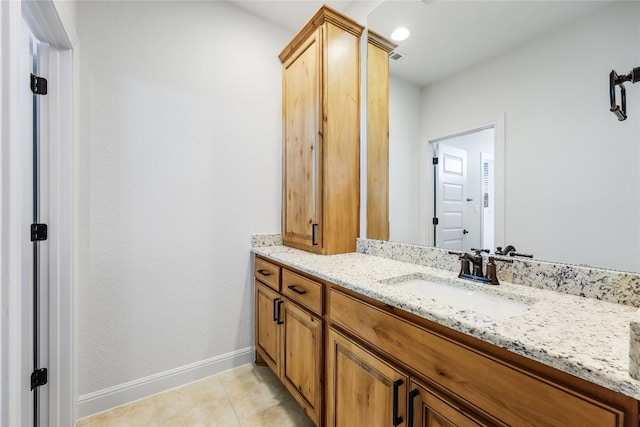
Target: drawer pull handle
[412,396]
[264,272]
[275,302]
[279,321]
[296,290]
[396,419]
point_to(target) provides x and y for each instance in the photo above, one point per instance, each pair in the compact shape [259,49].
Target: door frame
[489,158]
[51,24]
[425,171]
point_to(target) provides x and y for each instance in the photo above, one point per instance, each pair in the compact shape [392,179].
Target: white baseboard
[102,400]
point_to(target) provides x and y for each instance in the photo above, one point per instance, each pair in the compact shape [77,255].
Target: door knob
[465,231]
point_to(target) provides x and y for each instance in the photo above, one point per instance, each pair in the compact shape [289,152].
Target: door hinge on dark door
[38,232]
[38,85]
[38,378]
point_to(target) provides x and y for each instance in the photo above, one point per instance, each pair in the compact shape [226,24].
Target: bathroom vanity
[359,348]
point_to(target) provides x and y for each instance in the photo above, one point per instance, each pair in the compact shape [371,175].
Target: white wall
[180,163]
[572,176]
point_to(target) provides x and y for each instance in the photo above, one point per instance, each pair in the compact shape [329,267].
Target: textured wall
[180,163]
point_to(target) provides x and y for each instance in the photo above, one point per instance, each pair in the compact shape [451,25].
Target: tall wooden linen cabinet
[321,135]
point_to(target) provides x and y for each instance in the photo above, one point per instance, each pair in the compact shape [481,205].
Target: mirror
[567,181]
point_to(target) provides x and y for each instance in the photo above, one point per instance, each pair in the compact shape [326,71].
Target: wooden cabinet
[302,358]
[267,330]
[288,337]
[321,135]
[499,386]
[268,274]
[428,408]
[362,389]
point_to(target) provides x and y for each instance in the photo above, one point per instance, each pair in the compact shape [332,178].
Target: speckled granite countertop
[584,337]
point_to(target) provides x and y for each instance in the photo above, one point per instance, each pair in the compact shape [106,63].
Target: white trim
[61,310]
[102,400]
[12,407]
[50,22]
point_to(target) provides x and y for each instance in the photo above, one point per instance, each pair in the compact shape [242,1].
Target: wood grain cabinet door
[321,135]
[302,358]
[268,305]
[427,408]
[362,390]
[302,145]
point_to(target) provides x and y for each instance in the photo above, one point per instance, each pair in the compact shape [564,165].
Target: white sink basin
[494,306]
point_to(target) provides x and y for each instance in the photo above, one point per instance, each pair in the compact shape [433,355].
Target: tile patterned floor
[248,396]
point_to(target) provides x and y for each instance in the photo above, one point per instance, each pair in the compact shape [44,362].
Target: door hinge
[38,85]
[435,160]
[435,221]
[38,232]
[38,378]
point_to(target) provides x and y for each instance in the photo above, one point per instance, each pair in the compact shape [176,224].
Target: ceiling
[289,14]
[446,35]
[450,36]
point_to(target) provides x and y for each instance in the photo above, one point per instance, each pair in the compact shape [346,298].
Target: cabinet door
[268,307]
[302,358]
[302,158]
[427,408]
[362,390]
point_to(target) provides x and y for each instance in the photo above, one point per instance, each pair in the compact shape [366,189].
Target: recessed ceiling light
[400,34]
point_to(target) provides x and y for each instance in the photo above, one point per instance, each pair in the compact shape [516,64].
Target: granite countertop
[585,337]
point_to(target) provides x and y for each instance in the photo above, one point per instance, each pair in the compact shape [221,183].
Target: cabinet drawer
[267,273]
[302,290]
[511,394]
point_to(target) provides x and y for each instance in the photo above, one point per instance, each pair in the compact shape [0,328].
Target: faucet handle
[464,262]
[492,276]
[486,251]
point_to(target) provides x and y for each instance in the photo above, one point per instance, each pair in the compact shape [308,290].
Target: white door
[451,196]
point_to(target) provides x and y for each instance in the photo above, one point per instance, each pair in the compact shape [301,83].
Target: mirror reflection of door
[464,191]
[451,193]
